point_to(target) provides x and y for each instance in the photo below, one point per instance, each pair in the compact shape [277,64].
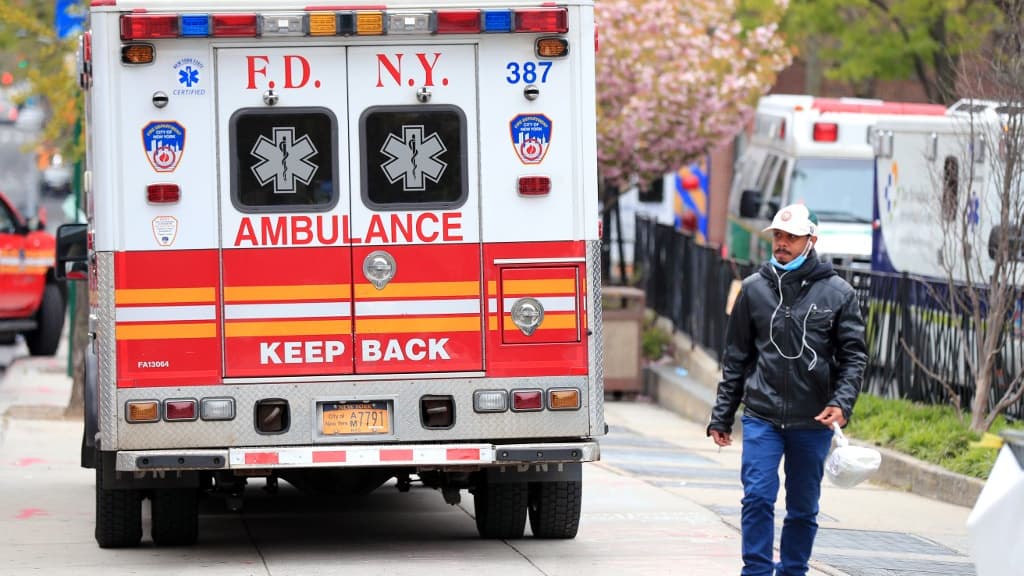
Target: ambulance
[813,151]
[340,246]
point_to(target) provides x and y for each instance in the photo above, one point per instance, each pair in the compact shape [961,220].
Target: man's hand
[721,438]
[831,414]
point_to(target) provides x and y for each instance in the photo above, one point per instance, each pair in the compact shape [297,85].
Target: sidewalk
[866,531]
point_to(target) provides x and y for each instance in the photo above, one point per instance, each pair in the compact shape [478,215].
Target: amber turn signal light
[552,47]
[138,53]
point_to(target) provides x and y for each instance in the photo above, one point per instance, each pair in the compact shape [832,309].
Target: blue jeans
[764,446]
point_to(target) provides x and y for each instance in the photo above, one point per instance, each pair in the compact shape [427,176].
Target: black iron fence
[917,349]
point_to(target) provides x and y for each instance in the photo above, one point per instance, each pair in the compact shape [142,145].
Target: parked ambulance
[813,151]
[339,245]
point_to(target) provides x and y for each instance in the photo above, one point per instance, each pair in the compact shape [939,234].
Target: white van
[815,151]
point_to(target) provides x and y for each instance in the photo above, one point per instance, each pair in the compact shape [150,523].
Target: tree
[863,41]
[676,78]
[982,206]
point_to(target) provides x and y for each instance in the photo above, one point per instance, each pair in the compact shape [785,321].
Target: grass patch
[929,433]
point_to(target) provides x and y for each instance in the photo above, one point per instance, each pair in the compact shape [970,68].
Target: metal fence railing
[917,349]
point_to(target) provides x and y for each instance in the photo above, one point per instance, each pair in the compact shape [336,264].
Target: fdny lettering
[295,68]
[415,350]
[311,352]
[386,67]
[327,230]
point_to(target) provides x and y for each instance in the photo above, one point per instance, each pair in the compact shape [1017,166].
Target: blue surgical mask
[795,262]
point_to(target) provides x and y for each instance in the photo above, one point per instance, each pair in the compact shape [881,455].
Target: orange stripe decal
[287,293]
[237,329]
[422,324]
[164,295]
[165,331]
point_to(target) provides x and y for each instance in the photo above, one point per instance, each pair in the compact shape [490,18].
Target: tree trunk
[79,340]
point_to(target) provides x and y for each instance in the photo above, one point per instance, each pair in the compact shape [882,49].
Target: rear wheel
[44,339]
[501,509]
[175,516]
[555,508]
[118,515]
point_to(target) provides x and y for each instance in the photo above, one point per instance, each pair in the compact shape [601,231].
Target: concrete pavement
[664,500]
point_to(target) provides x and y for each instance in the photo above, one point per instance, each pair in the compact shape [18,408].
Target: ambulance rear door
[284,201]
[414,186]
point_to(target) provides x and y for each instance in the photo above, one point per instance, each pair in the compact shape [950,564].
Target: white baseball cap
[795,219]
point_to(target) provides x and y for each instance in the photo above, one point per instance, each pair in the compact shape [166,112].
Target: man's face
[786,246]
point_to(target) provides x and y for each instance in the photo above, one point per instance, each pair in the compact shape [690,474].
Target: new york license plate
[348,418]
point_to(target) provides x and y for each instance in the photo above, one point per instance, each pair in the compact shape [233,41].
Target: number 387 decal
[529,72]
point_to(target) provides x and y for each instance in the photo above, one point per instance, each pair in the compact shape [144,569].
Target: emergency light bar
[324,22]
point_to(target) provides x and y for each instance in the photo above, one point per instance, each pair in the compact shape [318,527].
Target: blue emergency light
[195,25]
[497,20]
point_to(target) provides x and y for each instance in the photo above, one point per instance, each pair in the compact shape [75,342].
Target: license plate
[347,418]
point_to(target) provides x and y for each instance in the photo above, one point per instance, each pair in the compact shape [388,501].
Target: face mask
[795,262]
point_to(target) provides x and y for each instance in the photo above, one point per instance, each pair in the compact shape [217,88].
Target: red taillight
[140,26]
[163,193]
[180,410]
[527,400]
[782,130]
[458,22]
[534,185]
[234,25]
[542,20]
[826,132]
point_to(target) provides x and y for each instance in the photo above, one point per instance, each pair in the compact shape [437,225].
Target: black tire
[118,515]
[43,341]
[175,516]
[501,509]
[555,508]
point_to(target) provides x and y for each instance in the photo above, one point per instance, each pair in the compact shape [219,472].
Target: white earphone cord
[803,337]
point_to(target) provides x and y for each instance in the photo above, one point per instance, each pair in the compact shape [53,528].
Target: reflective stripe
[287,292]
[550,303]
[165,331]
[418,289]
[165,313]
[418,325]
[296,328]
[164,295]
[297,310]
[417,307]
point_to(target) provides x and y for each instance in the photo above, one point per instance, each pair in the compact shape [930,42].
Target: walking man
[795,358]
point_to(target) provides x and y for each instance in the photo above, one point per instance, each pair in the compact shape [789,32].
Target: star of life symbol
[188,76]
[414,159]
[284,160]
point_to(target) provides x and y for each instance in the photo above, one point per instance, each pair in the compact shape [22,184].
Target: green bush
[930,433]
[656,342]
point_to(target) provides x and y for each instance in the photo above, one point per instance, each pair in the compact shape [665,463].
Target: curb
[692,395]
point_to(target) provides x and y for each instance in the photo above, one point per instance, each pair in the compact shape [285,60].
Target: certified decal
[165,230]
[164,143]
[284,159]
[189,75]
[414,159]
[531,137]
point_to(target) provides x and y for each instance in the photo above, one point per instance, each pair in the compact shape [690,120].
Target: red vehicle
[31,298]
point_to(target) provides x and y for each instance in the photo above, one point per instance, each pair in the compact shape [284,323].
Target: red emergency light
[163,193]
[234,25]
[542,20]
[458,21]
[148,26]
[534,185]
[826,132]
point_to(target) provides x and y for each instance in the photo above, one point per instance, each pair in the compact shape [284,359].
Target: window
[774,187]
[950,187]
[413,157]
[653,192]
[836,189]
[284,160]
[7,222]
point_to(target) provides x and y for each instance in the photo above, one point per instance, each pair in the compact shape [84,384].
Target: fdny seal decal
[531,137]
[284,160]
[164,143]
[413,158]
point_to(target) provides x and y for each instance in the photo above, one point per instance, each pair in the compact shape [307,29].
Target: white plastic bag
[850,465]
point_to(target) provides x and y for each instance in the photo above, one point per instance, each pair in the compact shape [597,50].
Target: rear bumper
[418,455]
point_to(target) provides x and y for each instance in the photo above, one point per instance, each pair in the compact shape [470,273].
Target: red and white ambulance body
[340,245]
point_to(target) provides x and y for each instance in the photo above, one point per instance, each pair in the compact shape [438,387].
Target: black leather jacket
[790,392]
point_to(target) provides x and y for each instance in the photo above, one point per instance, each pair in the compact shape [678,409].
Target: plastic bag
[848,465]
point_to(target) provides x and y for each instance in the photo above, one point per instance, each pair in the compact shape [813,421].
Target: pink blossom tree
[677,77]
